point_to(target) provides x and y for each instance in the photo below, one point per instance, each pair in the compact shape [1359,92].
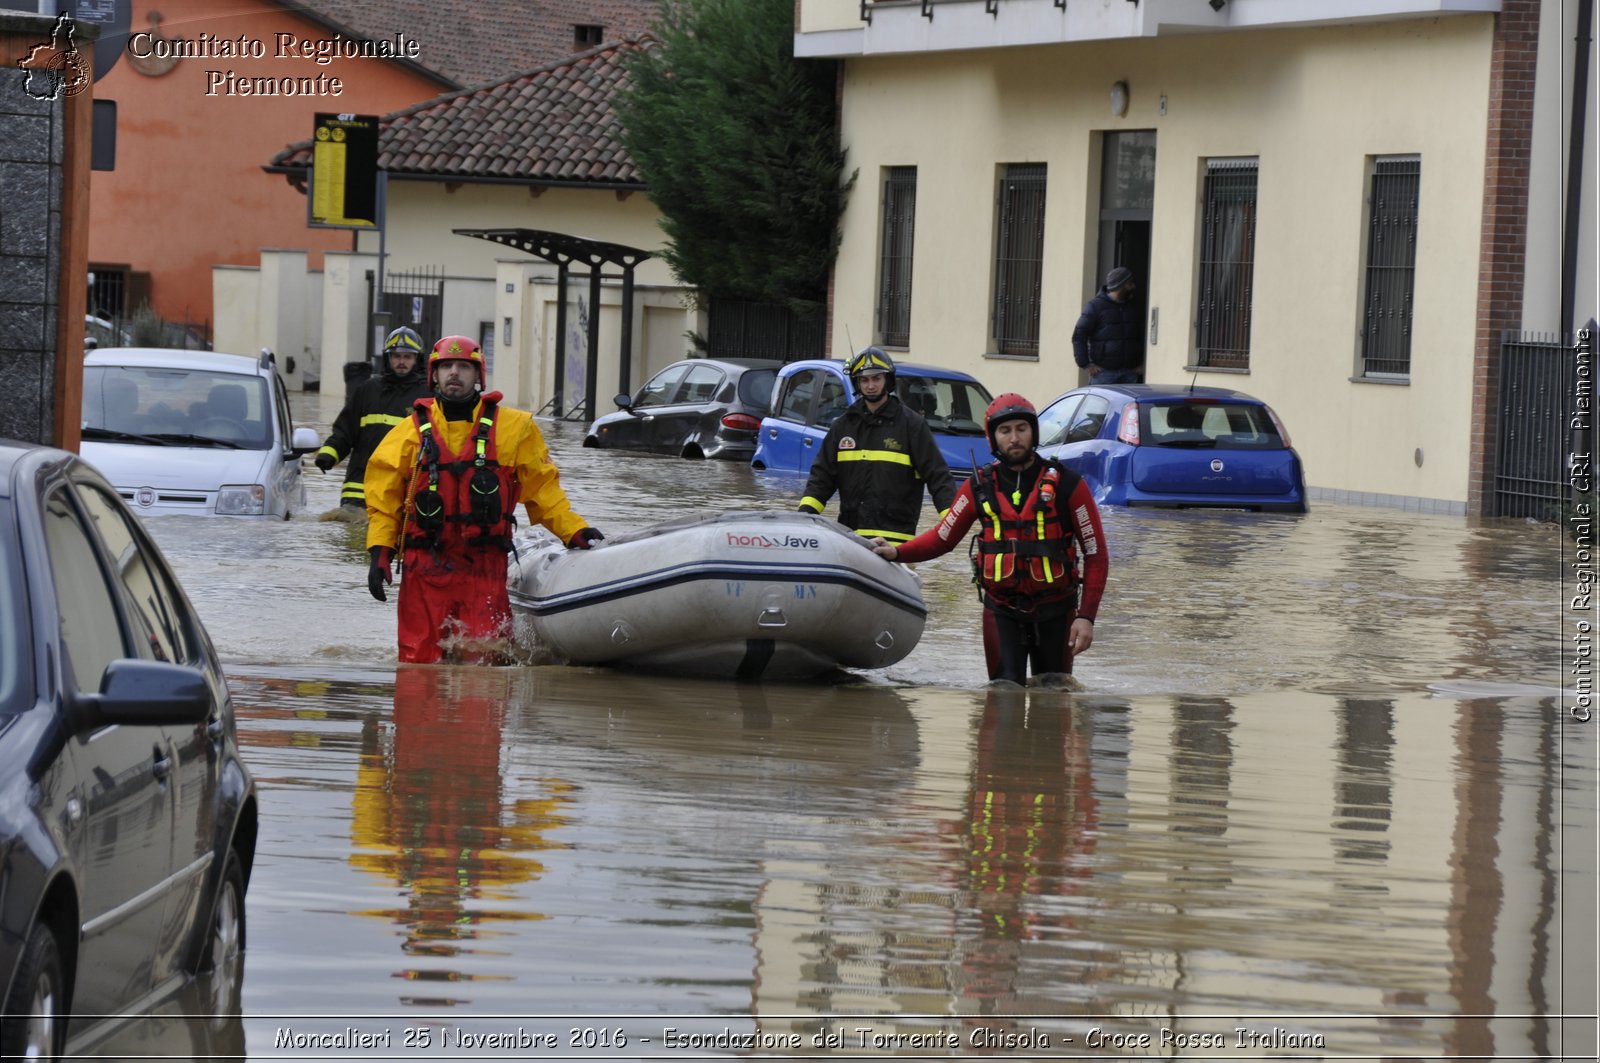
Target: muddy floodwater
[1320,795]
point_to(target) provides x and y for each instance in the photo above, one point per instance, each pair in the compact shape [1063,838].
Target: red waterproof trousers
[457,601]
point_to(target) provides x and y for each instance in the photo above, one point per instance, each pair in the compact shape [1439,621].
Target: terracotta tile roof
[553,124]
[468,44]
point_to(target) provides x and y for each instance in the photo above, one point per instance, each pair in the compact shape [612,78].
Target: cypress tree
[737,144]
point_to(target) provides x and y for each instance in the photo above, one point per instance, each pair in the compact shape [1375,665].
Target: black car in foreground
[695,408]
[127,819]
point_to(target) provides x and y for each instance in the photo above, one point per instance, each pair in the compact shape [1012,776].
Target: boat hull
[739,595]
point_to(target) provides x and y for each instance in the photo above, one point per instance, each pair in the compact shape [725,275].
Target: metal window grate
[1391,267]
[1227,264]
[1019,260]
[894,267]
[108,297]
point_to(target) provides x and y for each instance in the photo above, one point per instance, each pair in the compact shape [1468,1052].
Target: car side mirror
[304,441]
[624,401]
[144,694]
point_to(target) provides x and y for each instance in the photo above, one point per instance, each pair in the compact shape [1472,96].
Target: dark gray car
[127,820]
[696,408]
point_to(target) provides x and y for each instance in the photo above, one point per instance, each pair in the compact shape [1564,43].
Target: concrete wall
[1315,105]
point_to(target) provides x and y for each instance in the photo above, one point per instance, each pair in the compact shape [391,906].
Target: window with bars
[1391,265]
[1227,263]
[894,251]
[1019,259]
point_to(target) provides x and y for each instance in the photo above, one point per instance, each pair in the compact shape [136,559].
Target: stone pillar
[284,306]
[346,315]
[44,227]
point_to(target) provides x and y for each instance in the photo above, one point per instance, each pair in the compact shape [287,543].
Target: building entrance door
[1127,199]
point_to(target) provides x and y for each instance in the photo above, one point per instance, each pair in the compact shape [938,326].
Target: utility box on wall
[46,99]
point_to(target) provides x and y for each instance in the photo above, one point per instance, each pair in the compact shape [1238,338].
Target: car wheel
[224,945]
[34,1026]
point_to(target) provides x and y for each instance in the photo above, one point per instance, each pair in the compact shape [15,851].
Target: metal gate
[414,298]
[738,328]
[1531,476]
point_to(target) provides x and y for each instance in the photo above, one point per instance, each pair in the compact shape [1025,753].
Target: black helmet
[403,339]
[872,360]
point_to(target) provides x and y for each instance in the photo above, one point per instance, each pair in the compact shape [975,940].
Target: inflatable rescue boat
[746,595]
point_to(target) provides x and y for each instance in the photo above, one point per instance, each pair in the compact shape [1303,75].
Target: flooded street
[1318,796]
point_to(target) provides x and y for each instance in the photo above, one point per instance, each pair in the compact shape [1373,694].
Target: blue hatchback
[809,395]
[1149,445]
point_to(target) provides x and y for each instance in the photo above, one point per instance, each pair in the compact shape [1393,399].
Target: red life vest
[464,498]
[1026,550]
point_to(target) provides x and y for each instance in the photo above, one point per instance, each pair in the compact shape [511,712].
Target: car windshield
[182,407]
[16,663]
[1234,426]
[755,387]
[954,407]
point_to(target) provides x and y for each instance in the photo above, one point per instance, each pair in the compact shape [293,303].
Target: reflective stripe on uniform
[812,502]
[389,419]
[354,491]
[334,454]
[892,536]
[893,457]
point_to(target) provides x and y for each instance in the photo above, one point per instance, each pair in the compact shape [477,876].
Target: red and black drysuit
[1039,524]
[474,465]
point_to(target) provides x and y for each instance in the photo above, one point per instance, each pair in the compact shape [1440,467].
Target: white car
[194,432]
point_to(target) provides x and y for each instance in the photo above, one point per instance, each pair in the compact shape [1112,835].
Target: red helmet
[456,349]
[1009,407]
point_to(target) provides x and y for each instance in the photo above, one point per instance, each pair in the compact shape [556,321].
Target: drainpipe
[1575,160]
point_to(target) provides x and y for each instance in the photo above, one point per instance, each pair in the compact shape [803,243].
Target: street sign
[344,172]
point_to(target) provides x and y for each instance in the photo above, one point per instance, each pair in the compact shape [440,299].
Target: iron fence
[741,328]
[1531,476]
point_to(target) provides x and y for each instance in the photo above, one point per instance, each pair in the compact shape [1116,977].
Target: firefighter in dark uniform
[376,405]
[1038,525]
[880,456]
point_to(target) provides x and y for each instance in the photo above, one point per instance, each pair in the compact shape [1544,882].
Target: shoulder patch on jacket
[847,443]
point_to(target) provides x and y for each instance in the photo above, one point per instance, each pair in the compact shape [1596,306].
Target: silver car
[194,432]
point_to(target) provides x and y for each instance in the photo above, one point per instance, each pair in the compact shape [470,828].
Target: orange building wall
[188,191]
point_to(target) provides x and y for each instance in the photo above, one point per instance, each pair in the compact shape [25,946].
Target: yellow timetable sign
[344,171]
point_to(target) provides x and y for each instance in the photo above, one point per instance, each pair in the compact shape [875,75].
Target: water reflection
[431,813]
[1313,773]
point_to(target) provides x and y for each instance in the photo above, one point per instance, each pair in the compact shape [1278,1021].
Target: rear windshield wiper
[90,432]
[193,440]
[1192,444]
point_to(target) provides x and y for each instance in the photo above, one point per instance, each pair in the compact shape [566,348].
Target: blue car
[810,394]
[1160,445]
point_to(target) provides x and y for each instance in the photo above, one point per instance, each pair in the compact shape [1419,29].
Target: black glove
[379,574]
[584,538]
[325,461]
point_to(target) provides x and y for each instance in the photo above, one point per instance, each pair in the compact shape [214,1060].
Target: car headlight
[242,500]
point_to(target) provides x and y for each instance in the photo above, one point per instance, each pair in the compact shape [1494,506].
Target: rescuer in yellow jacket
[442,489]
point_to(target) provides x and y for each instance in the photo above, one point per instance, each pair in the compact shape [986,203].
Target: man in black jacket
[1109,337]
[376,405]
[880,457]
